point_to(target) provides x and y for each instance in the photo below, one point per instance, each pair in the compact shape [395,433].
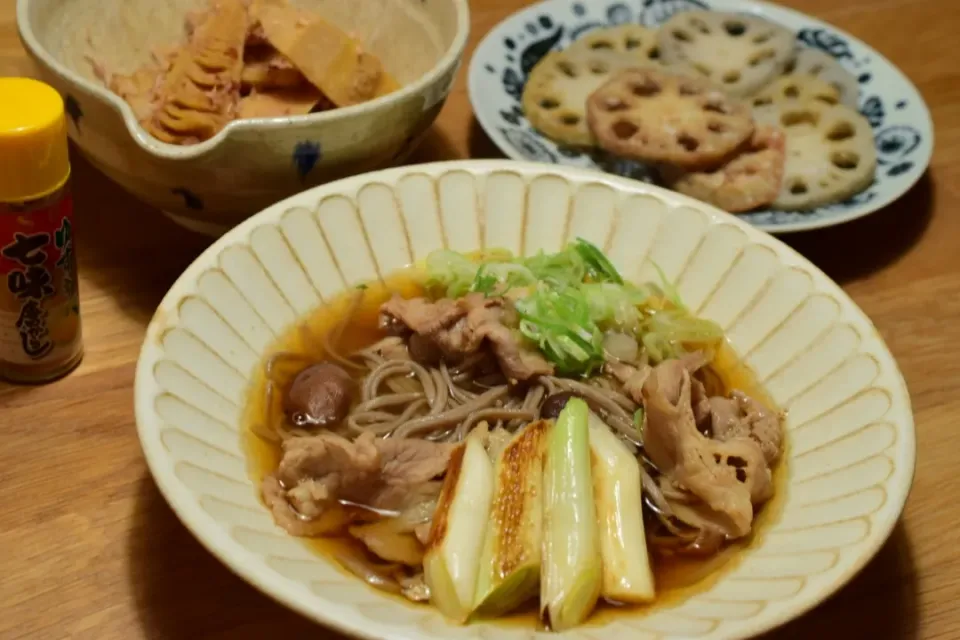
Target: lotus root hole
[798,188]
[549,103]
[762,102]
[598,68]
[794,118]
[816,69]
[614,104]
[601,44]
[570,119]
[632,43]
[654,53]
[682,36]
[826,99]
[716,127]
[731,76]
[688,90]
[845,159]
[760,56]
[624,130]
[703,69]
[791,91]
[688,142]
[841,131]
[762,37]
[715,107]
[735,29]
[567,69]
[646,89]
[700,26]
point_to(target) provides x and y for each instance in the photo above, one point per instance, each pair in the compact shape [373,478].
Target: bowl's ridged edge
[366,228]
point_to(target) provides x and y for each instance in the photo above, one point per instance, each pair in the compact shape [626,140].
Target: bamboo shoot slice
[627,576]
[452,559]
[510,564]
[571,574]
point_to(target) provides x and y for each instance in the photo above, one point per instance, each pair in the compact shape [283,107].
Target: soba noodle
[402,398]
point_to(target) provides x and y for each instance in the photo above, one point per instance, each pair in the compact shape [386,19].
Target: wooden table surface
[89,548]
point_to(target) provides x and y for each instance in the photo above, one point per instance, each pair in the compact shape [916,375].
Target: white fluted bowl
[851,446]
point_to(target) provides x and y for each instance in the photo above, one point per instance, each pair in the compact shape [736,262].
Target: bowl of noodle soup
[480,397]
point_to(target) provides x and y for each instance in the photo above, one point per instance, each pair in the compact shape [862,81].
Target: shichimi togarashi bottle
[40,336]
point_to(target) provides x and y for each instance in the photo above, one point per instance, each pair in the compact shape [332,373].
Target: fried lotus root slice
[831,153]
[796,90]
[740,53]
[820,65]
[631,39]
[555,96]
[653,116]
[750,180]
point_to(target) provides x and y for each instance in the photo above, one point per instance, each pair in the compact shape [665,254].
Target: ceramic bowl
[851,445]
[901,123]
[251,164]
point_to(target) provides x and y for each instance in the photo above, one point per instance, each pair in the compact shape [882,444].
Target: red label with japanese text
[39,302]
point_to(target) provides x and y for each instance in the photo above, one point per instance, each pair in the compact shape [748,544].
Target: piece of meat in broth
[517,361]
[275,497]
[421,315]
[729,477]
[741,416]
[339,468]
[410,461]
[317,471]
[461,327]
[633,378]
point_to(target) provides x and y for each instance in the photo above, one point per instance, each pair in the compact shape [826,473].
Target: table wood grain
[89,548]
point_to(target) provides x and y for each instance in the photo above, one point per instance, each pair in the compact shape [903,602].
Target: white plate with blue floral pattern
[895,109]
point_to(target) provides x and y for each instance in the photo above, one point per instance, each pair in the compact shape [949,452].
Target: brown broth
[676,578]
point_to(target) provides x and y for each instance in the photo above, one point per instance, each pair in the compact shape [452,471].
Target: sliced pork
[741,416]
[463,327]
[317,472]
[728,476]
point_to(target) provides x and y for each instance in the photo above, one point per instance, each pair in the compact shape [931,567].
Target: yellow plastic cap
[33,140]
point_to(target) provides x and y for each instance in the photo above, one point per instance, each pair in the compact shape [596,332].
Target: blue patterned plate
[900,118]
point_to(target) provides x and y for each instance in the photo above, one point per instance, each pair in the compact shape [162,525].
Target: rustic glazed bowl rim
[247,564]
[148,143]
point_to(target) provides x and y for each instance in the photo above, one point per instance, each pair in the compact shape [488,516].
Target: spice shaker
[40,335]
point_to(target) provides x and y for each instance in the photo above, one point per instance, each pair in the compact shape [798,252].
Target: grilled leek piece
[627,576]
[452,559]
[572,569]
[510,563]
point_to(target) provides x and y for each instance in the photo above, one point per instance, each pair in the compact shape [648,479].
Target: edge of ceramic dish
[763,9]
[238,558]
[451,58]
